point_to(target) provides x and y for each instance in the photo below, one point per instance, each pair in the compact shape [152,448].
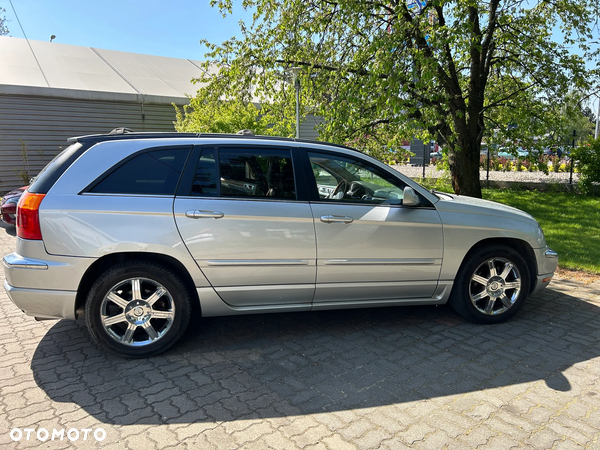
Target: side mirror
[410,197]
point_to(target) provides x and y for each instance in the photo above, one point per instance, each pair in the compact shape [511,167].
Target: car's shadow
[233,368]
[8,229]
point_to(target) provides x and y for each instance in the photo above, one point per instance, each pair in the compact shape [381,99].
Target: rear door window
[154,172]
[257,172]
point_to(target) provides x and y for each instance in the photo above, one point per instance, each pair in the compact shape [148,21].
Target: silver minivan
[130,230]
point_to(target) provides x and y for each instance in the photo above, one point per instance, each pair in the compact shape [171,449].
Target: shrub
[483,161]
[518,165]
[495,164]
[588,163]
[503,163]
[531,166]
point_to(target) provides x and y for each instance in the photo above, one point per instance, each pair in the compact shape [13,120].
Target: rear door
[247,223]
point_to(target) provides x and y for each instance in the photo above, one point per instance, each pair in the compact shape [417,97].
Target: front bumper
[43,303]
[547,262]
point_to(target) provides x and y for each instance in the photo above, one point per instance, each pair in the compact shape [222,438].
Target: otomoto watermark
[43,435]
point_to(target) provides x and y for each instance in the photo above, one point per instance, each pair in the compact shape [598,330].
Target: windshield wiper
[434,192]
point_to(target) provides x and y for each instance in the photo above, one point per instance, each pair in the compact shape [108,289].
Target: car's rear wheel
[491,285]
[138,309]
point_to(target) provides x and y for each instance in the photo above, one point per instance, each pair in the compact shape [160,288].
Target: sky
[150,27]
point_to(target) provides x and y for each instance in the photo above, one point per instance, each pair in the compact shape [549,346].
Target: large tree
[3,27]
[383,71]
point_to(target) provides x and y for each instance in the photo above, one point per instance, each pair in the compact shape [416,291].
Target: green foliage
[588,164]
[206,114]
[380,74]
[572,117]
[555,163]
[24,173]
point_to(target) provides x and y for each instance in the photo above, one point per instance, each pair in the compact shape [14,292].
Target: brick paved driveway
[413,377]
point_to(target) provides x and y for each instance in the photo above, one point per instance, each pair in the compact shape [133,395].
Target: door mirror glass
[410,197]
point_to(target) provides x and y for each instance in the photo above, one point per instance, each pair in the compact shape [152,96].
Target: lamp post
[597,119]
[571,171]
[295,71]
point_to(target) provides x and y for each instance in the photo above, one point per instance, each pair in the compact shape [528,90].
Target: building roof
[50,69]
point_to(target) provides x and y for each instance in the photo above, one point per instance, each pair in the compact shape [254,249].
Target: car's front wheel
[138,309]
[491,285]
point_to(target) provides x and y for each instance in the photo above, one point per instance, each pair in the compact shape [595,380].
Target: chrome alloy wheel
[137,312]
[495,286]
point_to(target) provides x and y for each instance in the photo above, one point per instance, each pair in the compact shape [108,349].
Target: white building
[50,92]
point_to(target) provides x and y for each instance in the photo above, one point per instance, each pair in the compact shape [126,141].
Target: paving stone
[392,378]
[312,436]
[543,439]
[336,442]
[415,433]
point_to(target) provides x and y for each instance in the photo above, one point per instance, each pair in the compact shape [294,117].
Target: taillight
[28,217]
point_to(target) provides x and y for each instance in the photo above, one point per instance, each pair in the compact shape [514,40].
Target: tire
[491,285]
[138,309]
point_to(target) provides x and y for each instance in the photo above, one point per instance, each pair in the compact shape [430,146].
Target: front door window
[349,180]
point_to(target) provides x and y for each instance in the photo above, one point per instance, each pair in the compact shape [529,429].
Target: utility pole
[571,174]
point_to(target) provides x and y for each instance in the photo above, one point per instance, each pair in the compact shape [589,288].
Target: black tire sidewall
[460,299]
[138,269]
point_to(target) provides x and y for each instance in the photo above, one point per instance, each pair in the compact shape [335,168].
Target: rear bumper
[8,211]
[31,267]
[43,303]
[43,285]
[8,217]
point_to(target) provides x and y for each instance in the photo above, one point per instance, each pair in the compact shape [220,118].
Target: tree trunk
[464,167]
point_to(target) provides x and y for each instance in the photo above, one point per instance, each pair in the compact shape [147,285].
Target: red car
[8,205]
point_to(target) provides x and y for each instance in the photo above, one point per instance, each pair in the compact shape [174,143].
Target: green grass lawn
[571,222]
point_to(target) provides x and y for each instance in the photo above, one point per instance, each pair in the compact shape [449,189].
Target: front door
[369,246]
[244,223]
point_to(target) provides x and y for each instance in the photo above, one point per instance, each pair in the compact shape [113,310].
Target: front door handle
[202,214]
[337,219]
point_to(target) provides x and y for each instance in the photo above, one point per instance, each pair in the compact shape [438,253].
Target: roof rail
[121,130]
[130,135]
[127,133]
[274,138]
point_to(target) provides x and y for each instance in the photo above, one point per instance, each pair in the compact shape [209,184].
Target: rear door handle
[202,214]
[337,219]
